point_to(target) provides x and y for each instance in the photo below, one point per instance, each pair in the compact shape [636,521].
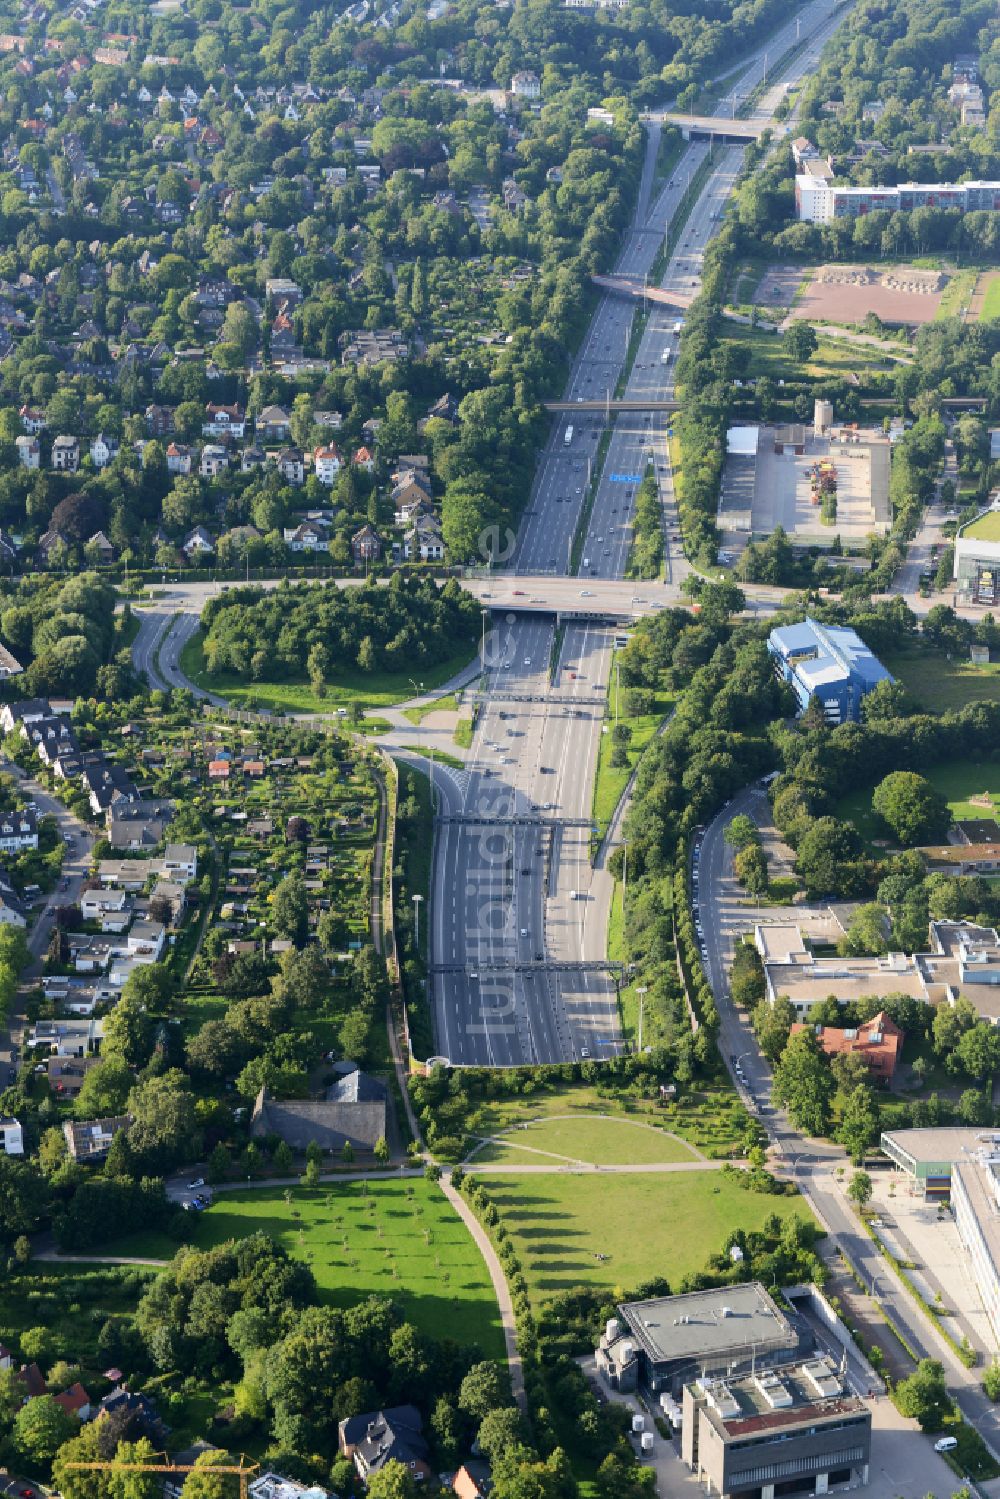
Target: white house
[66,454]
[526,85]
[327,463]
[198,543]
[11,1139]
[222,421]
[29,451]
[214,461]
[18,830]
[111,909]
[307,538]
[179,862]
[103,450]
[291,465]
[178,458]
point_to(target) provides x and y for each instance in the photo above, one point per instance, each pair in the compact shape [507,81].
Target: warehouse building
[792,1429]
[659,1345]
[828,662]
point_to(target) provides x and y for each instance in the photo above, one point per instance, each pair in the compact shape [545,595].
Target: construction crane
[244,1471]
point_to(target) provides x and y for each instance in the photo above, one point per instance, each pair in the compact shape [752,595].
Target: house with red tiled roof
[879,1041]
[75,1402]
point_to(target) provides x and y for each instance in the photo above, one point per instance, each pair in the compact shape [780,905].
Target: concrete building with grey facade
[789,1429]
[659,1345]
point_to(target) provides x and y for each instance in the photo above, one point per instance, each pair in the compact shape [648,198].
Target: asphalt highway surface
[518,916]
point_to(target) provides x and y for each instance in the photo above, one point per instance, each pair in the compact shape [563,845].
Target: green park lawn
[560,1223]
[939,684]
[592,1139]
[402,1240]
[991,301]
[711,1120]
[958,782]
[377,689]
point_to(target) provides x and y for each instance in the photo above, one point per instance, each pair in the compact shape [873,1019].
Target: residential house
[32,420]
[445,409]
[291,465]
[12,910]
[198,543]
[125,874]
[75,1402]
[90,1139]
[159,420]
[10,666]
[364,458]
[50,545]
[66,454]
[473,1480]
[307,537]
[143,1417]
[101,543]
[18,831]
[27,711]
[274,424]
[67,1038]
[66,1074]
[138,824]
[380,1437]
[104,450]
[179,862]
[879,1043]
[175,897]
[29,451]
[353,1108]
[11,1135]
[214,461]
[327,463]
[424,541]
[224,421]
[526,85]
[282,289]
[365,545]
[110,909]
[179,457]
[251,458]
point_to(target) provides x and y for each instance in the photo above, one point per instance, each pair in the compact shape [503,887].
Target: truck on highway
[568,435]
[678,326]
[665,356]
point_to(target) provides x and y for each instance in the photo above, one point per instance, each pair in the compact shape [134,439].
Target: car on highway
[586,593]
[524,931]
[584,1052]
[527,660]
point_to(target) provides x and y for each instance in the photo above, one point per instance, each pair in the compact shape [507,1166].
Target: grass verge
[377,689]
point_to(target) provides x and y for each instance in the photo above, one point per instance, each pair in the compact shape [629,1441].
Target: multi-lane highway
[519,918]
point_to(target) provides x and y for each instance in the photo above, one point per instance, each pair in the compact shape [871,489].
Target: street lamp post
[416,923]
[642,991]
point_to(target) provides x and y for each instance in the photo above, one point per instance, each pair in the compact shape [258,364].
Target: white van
[945,1444]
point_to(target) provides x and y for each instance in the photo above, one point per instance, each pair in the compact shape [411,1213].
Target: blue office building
[827,662]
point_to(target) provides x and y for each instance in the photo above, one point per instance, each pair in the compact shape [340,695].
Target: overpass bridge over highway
[636,290]
[628,403]
[714,127]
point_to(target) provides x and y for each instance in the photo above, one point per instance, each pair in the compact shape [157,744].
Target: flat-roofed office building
[658,1345]
[791,1429]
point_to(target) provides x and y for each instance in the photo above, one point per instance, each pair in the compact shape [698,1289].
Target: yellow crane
[245,1471]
